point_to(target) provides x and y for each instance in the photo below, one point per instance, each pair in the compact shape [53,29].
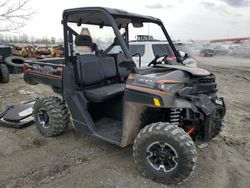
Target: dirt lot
[76,160]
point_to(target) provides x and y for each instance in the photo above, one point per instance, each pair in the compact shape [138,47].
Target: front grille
[211,88]
[205,84]
[207,79]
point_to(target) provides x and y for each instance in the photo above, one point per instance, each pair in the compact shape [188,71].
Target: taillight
[25,67]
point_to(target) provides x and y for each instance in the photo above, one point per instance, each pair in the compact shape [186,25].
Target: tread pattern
[58,114]
[176,137]
[4,73]
[217,130]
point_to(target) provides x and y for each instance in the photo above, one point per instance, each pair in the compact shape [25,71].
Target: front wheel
[164,153]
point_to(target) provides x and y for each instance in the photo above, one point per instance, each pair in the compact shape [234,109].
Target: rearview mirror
[190,62]
[183,55]
[137,24]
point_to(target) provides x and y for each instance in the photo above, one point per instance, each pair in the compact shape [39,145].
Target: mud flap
[18,116]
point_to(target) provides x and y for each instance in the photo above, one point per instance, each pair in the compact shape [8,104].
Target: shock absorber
[175,116]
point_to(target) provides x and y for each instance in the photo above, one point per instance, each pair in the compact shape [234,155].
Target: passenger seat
[94,74]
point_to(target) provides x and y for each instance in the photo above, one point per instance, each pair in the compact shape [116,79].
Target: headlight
[171,87]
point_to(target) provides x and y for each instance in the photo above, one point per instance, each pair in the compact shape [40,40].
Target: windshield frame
[123,39]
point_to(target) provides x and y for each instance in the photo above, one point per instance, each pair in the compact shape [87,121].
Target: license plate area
[219,101]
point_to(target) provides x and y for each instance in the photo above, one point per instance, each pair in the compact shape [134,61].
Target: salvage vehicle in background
[161,109]
[13,63]
[220,49]
[207,52]
[242,51]
[146,50]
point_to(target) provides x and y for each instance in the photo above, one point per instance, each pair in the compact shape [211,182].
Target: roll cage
[114,18]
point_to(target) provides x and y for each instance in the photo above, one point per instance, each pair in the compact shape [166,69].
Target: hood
[193,70]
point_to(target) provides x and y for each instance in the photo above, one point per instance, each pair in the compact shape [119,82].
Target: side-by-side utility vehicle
[161,109]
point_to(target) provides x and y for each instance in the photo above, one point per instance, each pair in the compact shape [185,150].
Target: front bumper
[212,112]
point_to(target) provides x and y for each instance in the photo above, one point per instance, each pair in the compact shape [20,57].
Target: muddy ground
[28,159]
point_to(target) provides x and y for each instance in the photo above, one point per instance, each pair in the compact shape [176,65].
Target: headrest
[83,40]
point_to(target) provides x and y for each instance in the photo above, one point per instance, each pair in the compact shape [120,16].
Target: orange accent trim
[191,130]
[137,88]
[168,81]
[43,74]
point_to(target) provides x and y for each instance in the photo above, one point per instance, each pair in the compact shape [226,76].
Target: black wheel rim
[162,156]
[43,118]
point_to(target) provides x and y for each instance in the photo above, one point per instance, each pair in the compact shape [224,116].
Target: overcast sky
[184,19]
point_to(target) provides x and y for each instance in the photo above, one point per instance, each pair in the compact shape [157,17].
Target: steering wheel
[157,57]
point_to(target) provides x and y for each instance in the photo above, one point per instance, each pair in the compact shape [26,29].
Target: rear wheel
[164,153]
[4,73]
[51,116]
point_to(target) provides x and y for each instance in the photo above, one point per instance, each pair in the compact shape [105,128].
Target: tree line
[24,38]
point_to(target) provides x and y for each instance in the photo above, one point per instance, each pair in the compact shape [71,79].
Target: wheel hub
[162,156]
[43,118]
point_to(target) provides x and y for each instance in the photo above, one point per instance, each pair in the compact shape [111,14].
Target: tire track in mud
[114,169]
[50,172]
[38,164]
